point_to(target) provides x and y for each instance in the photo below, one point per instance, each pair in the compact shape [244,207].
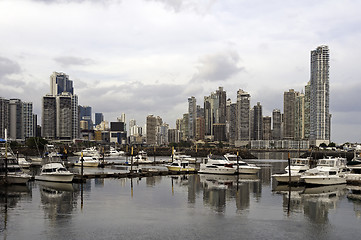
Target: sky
[142,57]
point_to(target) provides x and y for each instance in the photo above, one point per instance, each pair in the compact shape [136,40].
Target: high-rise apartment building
[28,119]
[267,130]
[289,114]
[320,117]
[60,117]
[192,115]
[257,122]
[151,130]
[64,116]
[243,115]
[232,122]
[4,116]
[15,119]
[49,117]
[307,110]
[276,124]
[300,117]
[222,98]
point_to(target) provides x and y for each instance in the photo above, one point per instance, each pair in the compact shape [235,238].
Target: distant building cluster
[305,118]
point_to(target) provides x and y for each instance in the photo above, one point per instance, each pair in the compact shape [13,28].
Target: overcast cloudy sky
[145,57]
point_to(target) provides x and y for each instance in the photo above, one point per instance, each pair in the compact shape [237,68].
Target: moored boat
[180,166]
[54,172]
[243,167]
[216,165]
[329,171]
[297,167]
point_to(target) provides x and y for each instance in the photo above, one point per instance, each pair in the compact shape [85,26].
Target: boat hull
[55,177]
[224,170]
[18,178]
[180,169]
[324,180]
[284,178]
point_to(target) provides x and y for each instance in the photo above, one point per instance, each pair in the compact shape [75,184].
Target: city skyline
[127,60]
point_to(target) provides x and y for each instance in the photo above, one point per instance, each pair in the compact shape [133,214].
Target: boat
[142,157]
[180,166]
[87,152]
[181,156]
[114,153]
[243,167]
[216,165]
[354,176]
[53,169]
[54,172]
[23,163]
[329,171]
[297,167]
[11,171]
[92,161]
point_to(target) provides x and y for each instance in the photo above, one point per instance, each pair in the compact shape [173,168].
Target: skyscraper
[319,96]
[243,118]
[277,123]
[4,116]
[61,99]
[28,119]
[289,114]
[99,117]
[85,114]
[257,122]
[192,114]
[15,119]
[59,83]
[151,130]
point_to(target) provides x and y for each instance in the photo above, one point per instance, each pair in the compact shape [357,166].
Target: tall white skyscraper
[320,117]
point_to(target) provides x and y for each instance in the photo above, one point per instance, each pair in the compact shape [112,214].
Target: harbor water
[197,206]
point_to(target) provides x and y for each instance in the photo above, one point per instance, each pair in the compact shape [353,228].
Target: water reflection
[316,202]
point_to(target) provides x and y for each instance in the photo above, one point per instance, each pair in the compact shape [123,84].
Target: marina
[193,206]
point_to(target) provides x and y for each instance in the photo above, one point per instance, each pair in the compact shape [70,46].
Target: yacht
[53,169]
[11,170]
[87,152]
[297,166]
[181,156]
[216,165]
[88,161]
[54,172]
[180,166]
[328,171]
[114,153]
[142,157]
[243,167]
[354,176]
[23,163]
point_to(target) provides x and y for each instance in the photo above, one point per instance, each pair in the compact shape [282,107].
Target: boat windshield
[299,162]
[214,157]
[326,162]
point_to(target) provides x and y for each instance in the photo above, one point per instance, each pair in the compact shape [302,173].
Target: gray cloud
[180,5]
[71,61]
[76,1]
[345,98]
[219,66]
[8,66]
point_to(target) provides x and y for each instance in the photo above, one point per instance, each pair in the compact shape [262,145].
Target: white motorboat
[329,171]
[114,153]
[87,152]
[54,172]
[181,156]
[142,157]
[23,163]
[92,161]
[297,166]
[243,167]
[11,170]
[216,165]
[180,166]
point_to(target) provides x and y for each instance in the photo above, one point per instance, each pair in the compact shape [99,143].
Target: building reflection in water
[355,196]
[314,201]
[9,197]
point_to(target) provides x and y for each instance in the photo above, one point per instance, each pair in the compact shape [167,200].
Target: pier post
[82,167]
[131,160]
[289,169]
[154,154]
